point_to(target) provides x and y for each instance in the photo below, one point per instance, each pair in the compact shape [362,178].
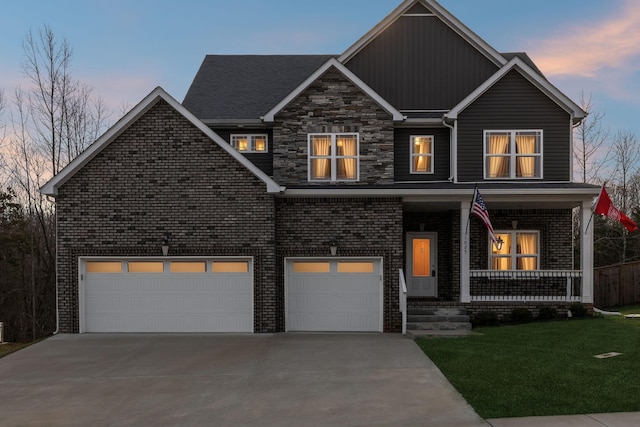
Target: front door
[422,268]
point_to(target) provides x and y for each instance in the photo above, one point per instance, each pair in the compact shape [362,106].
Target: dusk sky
[125,48]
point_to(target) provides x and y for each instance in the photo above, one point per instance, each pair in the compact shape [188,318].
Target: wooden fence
[616,285]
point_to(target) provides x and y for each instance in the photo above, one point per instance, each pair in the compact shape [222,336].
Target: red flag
[478,208]
[604,206]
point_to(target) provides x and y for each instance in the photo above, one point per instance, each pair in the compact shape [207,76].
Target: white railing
[402,294]
[510,286]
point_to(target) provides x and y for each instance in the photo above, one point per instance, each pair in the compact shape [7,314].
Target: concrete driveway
[227,380]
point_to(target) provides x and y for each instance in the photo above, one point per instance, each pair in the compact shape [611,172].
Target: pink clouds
[586,49]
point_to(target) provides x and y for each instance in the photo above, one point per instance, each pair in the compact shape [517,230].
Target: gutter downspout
[453,143]
[57,331]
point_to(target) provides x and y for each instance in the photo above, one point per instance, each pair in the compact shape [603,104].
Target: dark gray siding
[262,160]
[419,63]
[441,156]
[514,103]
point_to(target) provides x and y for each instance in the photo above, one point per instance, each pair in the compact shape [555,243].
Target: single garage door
[166,295]
[334,295]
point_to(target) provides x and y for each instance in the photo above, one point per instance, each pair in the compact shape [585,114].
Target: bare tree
[65,115]
[590,143]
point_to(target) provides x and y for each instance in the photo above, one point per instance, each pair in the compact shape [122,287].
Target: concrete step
[438,326]
[418,333]
[436,311]
[437,318]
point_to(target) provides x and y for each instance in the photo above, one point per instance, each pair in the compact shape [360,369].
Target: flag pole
[594,205]
[466,232]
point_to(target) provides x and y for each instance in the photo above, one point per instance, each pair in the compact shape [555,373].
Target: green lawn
[545,368]
[8,348]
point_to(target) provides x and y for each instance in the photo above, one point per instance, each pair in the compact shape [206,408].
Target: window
[513,154]
[520,251]
[333,157]
[230,267]
[188,267]
[311,267]
[421,154]
[250,143]
[145,266]
[104,266]
[355,267]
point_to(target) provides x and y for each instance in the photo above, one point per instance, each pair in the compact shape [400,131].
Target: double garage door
[166,295]
[216,295]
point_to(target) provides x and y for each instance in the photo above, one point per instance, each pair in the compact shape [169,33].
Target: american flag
[478,208]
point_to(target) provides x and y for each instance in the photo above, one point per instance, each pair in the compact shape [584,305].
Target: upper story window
[250,143]
[421,154]
[520,251]
[512,154]
[334,157]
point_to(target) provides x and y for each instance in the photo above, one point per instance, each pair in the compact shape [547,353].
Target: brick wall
[362,227]
[163,176]
[333,104]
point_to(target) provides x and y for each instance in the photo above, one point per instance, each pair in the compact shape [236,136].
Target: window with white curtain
[421,154]
[520,251]
[250,143]
[513,154]
[334,157]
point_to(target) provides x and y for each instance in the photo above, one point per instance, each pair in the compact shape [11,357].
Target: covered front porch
[546,256]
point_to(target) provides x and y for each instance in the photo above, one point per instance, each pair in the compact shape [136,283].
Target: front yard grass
[545,368]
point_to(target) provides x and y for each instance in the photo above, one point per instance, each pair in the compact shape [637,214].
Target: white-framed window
[250,143]
[334,157]
[421,154]
[520,251]
[513,154]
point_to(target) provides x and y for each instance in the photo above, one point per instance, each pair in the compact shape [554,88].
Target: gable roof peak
[333,63]
[437,10]
[149,101]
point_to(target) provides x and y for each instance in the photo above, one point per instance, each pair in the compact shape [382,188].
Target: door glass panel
[311,267]
[230,266]
[355,267]
[146,266]
[188,267]
[104,267]
[422,257]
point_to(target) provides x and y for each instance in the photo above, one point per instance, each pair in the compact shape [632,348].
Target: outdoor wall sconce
[333,246]
[165,246]
[421,225]
[514,224]
[498,243]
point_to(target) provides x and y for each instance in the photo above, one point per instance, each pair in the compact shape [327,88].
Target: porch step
[437,321]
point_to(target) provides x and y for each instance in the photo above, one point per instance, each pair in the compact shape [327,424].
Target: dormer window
[333,157]
[421,154]
[513,154]
[250,143]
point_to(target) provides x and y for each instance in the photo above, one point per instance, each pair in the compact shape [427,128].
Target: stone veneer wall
[163,176]
[333,104]
[362,227]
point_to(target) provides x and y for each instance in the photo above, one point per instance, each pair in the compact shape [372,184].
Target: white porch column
[465,284]
[586,253]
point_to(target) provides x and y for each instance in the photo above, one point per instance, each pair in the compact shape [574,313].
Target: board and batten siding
[419,63]
[441,157]
[514,103]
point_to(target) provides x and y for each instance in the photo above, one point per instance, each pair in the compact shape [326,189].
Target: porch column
[586,253]
[465,285]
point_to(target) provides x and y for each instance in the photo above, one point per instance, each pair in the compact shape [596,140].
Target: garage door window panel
[145,267]
[188,266]
[355,267]
[311,267]
[104,267]
[230,267]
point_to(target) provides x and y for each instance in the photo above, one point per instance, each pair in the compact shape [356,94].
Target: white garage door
[334,295]
[166,295]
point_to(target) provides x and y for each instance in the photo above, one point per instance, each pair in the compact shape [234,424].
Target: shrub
[577,310]
[547,313]
[521,315]
[485,318]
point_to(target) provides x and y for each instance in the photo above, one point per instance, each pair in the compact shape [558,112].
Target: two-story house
[304,192]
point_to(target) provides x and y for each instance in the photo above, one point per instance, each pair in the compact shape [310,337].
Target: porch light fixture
[498,243]
[333,246]
[165,246]
[514,224]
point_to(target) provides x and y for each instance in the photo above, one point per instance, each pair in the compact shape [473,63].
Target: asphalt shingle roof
[233,87]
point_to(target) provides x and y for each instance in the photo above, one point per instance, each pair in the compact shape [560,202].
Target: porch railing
[402,294]
[519,285]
